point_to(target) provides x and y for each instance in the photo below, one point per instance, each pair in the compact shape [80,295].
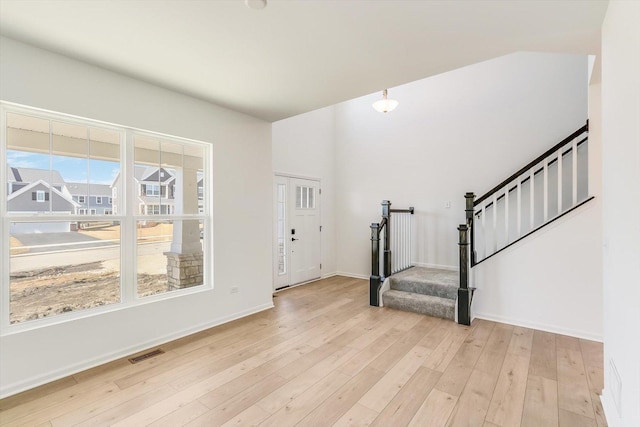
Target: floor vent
[145,356]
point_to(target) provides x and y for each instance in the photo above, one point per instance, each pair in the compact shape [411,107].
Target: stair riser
[434,310]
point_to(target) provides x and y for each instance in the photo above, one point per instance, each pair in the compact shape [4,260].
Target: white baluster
[484,229]
[495,223]
[532,194]
[506,216]
[560,181]
[519,208]
[545,188]
[574,172]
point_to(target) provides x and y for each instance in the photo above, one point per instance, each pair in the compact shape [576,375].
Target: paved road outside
[58,241]
[150,258]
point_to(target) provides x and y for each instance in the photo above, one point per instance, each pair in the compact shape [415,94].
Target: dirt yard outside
[44,292]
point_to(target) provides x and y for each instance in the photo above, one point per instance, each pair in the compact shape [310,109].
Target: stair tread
[427,281]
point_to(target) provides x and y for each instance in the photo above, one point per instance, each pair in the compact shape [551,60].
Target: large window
[62,256]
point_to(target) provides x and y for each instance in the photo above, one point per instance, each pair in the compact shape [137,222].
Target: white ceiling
[297,55]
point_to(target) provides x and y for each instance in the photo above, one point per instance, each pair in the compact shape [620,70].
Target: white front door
[297,231]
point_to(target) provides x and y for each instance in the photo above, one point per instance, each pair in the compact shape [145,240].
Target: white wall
[621,209]
[304,146]
[465,130]
[242,213]
[548,281]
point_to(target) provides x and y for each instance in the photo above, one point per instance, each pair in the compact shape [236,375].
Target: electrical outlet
[235,290]
[447,204]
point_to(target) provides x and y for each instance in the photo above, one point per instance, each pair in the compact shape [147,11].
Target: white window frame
[40,196]
[98,200]
[82,211]
[82,199]
[126,215]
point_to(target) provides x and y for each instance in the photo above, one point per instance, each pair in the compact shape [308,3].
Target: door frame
[274,264]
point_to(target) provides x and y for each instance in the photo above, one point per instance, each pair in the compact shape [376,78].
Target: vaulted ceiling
[295,56]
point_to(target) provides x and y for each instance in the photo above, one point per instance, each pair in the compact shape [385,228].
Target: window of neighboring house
[153,190]
[68,144]
[41,196]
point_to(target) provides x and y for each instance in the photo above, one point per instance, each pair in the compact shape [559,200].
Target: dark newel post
[386,214]
[469,198]
[374,279]
[464,315]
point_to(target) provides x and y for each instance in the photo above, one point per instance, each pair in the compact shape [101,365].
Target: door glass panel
[281,218]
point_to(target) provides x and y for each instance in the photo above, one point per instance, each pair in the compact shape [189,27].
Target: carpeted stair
[422,290]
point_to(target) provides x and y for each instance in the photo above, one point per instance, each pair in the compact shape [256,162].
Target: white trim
[539,326]
[353,275]
[610,411]
[32,382]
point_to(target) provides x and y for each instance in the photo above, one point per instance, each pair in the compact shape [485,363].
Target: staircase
[549,187]
[422,290]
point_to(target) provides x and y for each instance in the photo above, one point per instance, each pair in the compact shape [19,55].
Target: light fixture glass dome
[385,105]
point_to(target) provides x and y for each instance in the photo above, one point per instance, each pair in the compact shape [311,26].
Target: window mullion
[128,229]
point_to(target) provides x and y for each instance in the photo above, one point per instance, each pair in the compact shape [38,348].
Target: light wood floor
[324,357]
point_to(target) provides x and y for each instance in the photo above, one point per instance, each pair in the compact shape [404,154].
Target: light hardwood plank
[357,416]
[406,403]
[252,416]
[508,397]
[435,410]
[540,403]
[240,402]
[392,382]
[298,408]
[544,356]
[181,416]
[573,389]
[570,419]
[473,404]
[339,403]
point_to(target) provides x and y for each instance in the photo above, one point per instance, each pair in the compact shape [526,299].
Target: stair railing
[549,187]
[396,242]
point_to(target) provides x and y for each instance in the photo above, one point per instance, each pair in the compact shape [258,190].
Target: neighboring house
[38,190]
[156,191]
[93,199]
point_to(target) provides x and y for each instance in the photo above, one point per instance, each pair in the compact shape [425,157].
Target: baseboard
[540,326]
[610,412]
[326,276]
[39,380]
[354,275]
[439,266]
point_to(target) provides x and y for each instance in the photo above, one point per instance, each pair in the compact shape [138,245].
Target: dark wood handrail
[531,164]
[410,210]
[555,159]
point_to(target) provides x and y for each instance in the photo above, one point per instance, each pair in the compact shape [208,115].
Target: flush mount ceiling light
[385,105]
[256,4]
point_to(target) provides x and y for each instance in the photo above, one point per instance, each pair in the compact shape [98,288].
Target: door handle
[294,239]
